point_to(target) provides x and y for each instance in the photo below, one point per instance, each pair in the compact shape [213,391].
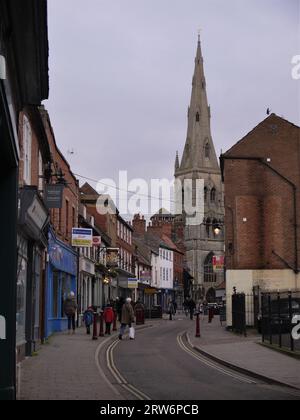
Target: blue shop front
[61,280]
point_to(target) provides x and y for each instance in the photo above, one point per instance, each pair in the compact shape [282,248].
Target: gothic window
[207,151]
[213,195]
[209,275]
[215,224]
[197,117]
[208,223]
[205,193]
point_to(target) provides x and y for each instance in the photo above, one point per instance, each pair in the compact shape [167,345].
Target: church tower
[203,239]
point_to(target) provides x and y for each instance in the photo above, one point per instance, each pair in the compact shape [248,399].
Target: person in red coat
[109,317]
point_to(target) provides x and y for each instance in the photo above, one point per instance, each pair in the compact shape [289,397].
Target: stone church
[204,239]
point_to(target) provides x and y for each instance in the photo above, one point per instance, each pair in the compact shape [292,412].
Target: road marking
[118,376]
[212,364]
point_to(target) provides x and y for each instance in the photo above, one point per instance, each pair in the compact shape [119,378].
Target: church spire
[199,153]
[177,164]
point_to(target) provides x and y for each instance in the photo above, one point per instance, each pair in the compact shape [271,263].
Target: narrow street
[161,365]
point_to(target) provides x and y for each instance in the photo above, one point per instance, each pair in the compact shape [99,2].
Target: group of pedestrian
[121,310]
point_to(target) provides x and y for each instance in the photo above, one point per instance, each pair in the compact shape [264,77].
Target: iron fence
[278,312]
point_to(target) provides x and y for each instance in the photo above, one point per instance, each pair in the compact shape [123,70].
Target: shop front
[32,243]
[61,280]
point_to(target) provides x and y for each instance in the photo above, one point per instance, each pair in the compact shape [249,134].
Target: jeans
[71,322]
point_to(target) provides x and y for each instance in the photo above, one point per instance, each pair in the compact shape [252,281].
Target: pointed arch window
[213,195]
[198,117]
[205,193]
[207,151]
[208,224]
[209,275]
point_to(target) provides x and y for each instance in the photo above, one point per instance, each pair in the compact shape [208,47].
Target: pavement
[246,354]
[72,368]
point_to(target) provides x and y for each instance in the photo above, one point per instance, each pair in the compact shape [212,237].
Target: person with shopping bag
[127,319]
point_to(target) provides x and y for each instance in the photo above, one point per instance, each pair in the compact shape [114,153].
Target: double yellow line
[211,364]
[118,376]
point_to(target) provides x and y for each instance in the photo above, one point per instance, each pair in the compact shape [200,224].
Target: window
[197,117]
[213,195]
[67,219]
[41,182]
[73,217]
[205,193]
[207,151]
[27,141]
[208,223]
[209,275]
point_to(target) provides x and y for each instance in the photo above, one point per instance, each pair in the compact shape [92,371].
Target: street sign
[82,238]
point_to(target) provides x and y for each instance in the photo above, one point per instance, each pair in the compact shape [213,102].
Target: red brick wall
[65,219]
[254,192]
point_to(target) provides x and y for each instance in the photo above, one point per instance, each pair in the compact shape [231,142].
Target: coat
[109,315]
[127,314]
[70,306]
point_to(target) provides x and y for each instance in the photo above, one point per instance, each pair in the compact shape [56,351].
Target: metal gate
[239,313]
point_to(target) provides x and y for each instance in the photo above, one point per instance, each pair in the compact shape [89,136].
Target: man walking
[127,318]
[70,308]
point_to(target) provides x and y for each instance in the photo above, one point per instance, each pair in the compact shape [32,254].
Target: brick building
[262,202]
[62,269]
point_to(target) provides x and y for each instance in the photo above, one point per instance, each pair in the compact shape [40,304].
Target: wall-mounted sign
[112,257]
[132,283]
[54,196]
[2,68]
[150,291]
[82,238]
[218,263]
[97,241]
[2,328]
[145,276]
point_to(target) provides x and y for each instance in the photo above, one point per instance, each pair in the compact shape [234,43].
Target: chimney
[139,224]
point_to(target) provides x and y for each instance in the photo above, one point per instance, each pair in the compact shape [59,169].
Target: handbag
[131,333]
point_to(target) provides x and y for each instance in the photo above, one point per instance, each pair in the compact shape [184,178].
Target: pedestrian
[192,306]
[119,306]
[171,309]
[70,308]
[139,312]
[186,307]
[127,318]
[175,306]
[88,318]
[109,317]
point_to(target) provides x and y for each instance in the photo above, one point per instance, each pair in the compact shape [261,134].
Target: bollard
[198,335]
[101,334]
[95,335]
[115,321]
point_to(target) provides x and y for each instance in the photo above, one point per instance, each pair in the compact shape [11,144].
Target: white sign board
[2,328]
[82,238]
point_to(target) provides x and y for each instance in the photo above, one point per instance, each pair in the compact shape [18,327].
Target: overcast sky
[121,73]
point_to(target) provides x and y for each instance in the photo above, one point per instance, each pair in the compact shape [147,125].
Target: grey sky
[121,72]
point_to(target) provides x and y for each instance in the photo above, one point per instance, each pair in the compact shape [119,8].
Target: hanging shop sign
[54,196]
[82,238]
[97,241]
[112,257]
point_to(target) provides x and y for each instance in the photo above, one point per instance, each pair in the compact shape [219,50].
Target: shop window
[27,143]
[55,295]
